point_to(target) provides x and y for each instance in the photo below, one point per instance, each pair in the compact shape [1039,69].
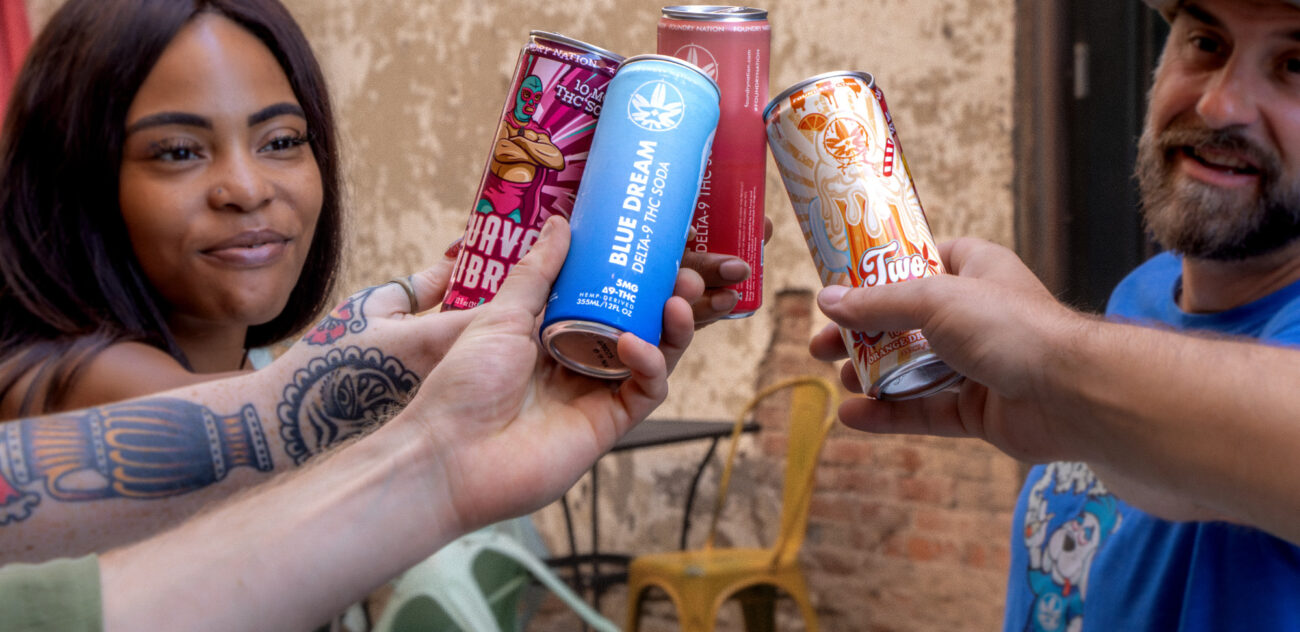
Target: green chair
[475,584]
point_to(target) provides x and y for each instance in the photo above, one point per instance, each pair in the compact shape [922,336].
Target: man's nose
[1230,97]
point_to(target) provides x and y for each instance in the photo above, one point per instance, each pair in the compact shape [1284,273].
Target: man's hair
[70,283]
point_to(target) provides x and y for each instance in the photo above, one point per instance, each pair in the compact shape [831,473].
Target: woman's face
[219,189]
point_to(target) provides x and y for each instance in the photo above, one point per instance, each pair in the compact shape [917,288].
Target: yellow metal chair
[699,581]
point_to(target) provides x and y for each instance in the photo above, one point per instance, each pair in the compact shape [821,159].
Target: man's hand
[523,428]
[991,320]
[710,275]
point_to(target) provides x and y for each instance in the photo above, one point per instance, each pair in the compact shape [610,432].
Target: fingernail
[735,270]
[832,295]
[548,227]
[453,250]
[725,301]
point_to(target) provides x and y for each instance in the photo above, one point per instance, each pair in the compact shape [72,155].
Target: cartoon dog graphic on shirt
[1060,558]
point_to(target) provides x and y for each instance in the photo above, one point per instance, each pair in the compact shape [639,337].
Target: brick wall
[905,533]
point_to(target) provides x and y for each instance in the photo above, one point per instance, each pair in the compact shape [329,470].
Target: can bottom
[586,347]
[739,315]
[921,377]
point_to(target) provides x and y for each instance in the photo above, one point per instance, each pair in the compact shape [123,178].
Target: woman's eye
[285,142]
[1292,66]
[175,151]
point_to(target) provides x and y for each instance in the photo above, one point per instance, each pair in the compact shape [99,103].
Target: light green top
[59,595]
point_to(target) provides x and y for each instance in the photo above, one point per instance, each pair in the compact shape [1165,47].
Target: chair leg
[798,590]
[758,605]
[634,592]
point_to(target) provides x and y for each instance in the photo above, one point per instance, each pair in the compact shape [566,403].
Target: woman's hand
[522,428]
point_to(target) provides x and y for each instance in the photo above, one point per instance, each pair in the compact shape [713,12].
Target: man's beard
[1207,222]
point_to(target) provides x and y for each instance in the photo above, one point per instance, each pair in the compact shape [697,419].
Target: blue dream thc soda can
[632,212]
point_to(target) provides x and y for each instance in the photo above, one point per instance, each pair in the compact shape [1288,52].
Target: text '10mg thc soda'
[632,213]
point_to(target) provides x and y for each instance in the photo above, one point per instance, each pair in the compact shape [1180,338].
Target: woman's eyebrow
[271,111]
[169,118]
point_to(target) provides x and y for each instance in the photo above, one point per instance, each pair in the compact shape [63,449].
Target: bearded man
[1169,433]
[1219,171]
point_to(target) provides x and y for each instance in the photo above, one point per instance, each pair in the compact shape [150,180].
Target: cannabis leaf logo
[661,111]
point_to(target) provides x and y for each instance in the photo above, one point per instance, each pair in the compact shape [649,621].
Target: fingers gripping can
[632,213]
[537,159]
[839,156]
[731,45]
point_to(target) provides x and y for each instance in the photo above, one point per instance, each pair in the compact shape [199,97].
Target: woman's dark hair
[71,283]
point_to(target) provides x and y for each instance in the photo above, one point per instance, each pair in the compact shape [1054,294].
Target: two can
[839,156]
[632,213]
[731,45]
[537,159]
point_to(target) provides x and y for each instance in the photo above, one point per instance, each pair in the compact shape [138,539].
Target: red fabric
[15,36]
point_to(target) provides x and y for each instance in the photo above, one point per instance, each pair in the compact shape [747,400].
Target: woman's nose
[240,185]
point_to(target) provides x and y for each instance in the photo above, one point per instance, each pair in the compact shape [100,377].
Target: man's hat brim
[1168,7]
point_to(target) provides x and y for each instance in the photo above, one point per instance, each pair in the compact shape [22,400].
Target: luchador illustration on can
[536,162]
[839,156]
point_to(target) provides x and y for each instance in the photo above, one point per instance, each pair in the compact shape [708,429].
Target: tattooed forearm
[339,396]
[152,448]
[348,317]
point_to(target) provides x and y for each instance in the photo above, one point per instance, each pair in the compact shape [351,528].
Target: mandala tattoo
[348,317]
[338,396]
[152,448]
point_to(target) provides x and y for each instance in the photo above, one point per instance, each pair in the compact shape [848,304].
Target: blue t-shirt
[1081,559]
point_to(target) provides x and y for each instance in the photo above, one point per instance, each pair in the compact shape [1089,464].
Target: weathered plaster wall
[418,85]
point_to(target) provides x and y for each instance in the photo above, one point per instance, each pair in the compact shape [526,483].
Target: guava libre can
[731,45]
[536,162]
[839,156]
[632,214]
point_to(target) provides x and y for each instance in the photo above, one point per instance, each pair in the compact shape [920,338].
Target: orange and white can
[839,156]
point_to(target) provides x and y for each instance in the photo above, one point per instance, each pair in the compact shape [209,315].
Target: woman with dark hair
[169,199]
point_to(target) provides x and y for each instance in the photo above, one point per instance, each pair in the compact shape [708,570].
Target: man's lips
[1233,162]
[1225,169]
[251,248]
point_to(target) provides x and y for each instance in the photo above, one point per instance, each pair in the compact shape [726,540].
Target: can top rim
[771,105]
[579,44]
[714,13]
[681,62]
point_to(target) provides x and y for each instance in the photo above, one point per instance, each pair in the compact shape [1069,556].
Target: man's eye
[1291,66]
[1207,44]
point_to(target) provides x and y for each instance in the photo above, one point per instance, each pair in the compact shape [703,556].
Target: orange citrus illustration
[811,124]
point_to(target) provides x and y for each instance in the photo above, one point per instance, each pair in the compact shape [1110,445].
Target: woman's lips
[249,249]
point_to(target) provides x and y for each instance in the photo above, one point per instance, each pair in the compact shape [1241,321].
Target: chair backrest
[473,584]
[813,404]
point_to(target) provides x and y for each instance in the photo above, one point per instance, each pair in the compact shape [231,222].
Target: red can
[536,162]
[731,45]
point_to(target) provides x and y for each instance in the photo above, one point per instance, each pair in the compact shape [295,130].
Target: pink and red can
[536,162]
[731,45]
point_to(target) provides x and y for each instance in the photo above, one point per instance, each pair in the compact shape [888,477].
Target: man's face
[1219,159]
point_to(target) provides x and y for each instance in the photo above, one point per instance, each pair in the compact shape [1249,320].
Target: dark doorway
[1084,68]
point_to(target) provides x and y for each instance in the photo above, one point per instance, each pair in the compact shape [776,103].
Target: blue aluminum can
[632,212]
